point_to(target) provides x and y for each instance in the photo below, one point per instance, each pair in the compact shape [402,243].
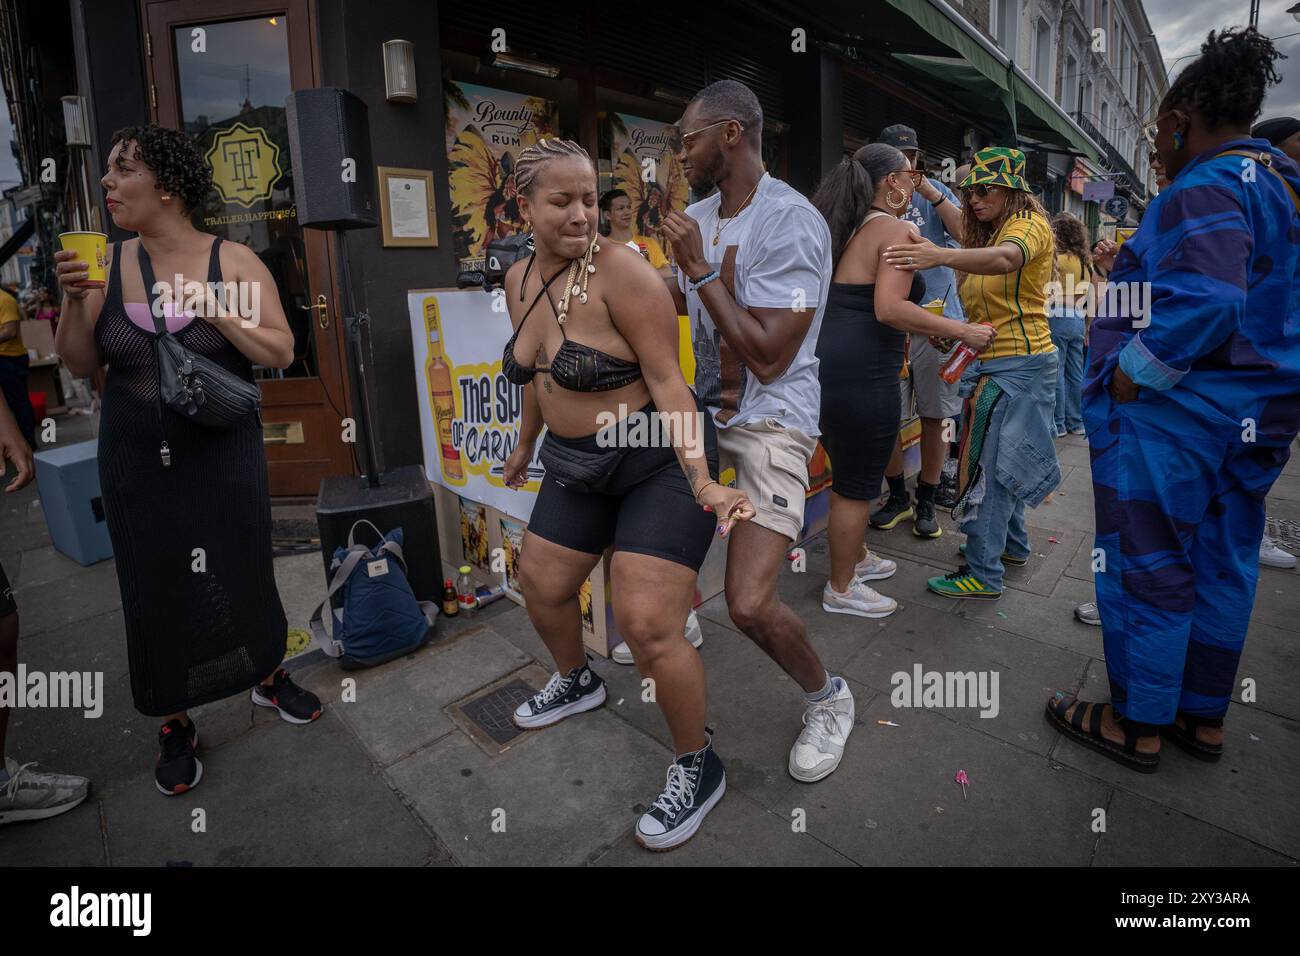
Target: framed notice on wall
[406,207]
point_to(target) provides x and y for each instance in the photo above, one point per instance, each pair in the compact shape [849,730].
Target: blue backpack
[378,618]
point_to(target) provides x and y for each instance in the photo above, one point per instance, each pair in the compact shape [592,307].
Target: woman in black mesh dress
[187,506]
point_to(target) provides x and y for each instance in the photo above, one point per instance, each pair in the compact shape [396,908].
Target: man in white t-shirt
[754,268]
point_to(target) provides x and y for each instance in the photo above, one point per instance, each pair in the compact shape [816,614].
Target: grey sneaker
[34,795]
[820,747]
[860,599]
[1088,614]
[873,567]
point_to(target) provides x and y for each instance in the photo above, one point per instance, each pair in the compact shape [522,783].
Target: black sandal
[1125,753]
[1185,737]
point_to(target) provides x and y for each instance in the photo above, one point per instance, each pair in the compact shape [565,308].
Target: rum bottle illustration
[442,398]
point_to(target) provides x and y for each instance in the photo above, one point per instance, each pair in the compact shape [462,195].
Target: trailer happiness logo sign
[245,164]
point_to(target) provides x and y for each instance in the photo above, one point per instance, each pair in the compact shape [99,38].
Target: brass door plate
[282,433]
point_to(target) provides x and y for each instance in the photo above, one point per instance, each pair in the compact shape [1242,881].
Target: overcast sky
[1181,25]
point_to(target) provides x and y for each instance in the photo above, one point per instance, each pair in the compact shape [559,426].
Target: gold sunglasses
[677,139]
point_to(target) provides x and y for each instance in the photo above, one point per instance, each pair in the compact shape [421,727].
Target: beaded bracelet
[705,280]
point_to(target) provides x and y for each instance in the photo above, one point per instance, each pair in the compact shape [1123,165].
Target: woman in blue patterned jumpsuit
[1191,403]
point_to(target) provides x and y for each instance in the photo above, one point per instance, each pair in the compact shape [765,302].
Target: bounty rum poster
[486,130]
[645,168]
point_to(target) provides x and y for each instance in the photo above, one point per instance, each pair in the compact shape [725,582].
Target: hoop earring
[895,205]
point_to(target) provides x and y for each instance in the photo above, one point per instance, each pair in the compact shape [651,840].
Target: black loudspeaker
[326,127]
[405,501]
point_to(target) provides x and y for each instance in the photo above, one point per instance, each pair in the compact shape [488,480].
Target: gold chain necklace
[718,226]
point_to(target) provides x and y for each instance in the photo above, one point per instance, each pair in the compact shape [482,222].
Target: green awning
[971,87]
[978,70]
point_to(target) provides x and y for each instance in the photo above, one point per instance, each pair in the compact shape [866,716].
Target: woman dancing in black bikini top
[603,340]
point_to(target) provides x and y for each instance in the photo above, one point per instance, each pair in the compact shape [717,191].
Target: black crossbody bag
[586,472]
[192,386]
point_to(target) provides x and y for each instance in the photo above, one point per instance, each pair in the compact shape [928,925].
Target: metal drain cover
[491,712]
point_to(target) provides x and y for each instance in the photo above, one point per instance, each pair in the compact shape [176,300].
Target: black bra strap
[543,291]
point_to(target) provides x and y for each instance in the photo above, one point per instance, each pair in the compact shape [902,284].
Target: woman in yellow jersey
[1008,457]
[617,208]
[1067,314]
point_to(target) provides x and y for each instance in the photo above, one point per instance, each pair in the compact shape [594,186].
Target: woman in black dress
[187,506]
[869,312]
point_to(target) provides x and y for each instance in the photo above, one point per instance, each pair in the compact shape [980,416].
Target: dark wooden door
[220,70]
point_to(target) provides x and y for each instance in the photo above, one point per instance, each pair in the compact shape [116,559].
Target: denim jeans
[999,522]
[1067,334]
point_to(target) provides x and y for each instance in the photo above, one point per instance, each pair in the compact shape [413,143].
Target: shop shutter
[547,39]
[868,110]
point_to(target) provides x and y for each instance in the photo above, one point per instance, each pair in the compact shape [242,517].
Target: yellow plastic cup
[92,249]
[935,306]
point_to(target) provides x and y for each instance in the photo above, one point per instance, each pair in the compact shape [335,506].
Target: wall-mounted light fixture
[670,96]
[76,131]
[507,61]
[399,71]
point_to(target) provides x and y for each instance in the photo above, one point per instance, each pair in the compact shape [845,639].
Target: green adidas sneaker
[962,584]
[1007,558]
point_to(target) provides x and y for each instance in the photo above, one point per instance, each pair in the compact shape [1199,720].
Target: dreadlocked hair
[1226,84]
[531,159]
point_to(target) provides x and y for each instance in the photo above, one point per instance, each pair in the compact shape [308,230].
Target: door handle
[321,309]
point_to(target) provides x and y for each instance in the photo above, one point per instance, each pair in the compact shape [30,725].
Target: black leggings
[647,506]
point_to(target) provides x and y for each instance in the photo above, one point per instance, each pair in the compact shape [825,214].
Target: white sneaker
[1088,614]
[1271,556]
[860,599]
[874,568]
[32,795]
[622,655]
[820,747]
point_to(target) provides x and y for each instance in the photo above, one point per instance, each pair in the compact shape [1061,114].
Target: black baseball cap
[898,136]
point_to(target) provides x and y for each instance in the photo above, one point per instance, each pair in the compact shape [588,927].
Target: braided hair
[531,159]
[1226,84]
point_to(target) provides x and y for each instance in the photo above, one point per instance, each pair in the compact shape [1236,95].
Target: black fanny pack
[195,387]
[579,469]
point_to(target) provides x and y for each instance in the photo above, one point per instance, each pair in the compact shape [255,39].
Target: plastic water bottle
[465,590]
[956,363]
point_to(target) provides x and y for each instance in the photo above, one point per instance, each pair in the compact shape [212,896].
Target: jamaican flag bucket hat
[997,166]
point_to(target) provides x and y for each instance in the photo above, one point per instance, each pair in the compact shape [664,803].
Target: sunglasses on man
[677,140]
